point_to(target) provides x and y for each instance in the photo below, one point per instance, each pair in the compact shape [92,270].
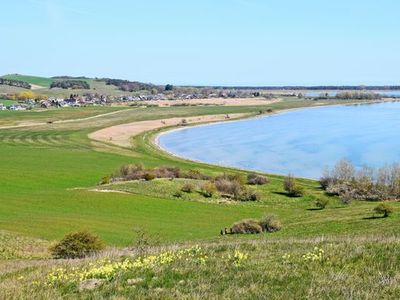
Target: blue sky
[205,42]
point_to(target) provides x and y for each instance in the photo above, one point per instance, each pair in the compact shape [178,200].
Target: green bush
[384,209]
[105,180]
[149,175]
[77,245]
[247,194]
[291,187]
[188,187]
[246,226]
[321,203]
[178,194]
[270,223]
[208,189]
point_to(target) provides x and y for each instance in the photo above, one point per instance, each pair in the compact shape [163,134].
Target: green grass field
[48,173]
[7,102]
[96,86]
[41,81]
[45,170]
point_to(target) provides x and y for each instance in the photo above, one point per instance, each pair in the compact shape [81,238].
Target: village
[88,99]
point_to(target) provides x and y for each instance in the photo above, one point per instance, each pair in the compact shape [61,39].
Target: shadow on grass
[315,208]
[286,194]
[374,217]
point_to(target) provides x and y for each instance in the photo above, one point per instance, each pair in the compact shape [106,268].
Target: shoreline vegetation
[158,227]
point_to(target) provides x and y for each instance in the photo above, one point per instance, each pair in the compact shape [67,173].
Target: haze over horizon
[237,42]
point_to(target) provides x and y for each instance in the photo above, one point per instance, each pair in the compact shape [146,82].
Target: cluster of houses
[97,100]
[17,106]
[72,101]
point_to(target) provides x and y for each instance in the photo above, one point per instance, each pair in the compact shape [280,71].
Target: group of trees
[16,83]
[357,95]
[70,84]
[132,86]
[365,184]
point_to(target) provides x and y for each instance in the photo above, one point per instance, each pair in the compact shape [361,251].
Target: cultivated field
[50,175]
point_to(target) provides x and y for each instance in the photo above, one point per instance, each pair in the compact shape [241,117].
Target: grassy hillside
[46,182]
[96,86]
[328,268]
[48,173]
[41,81]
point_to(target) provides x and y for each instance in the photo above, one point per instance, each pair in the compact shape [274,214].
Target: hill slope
[35,80]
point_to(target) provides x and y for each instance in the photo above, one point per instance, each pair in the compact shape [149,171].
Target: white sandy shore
[121,135]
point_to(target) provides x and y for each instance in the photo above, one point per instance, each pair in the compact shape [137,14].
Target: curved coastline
[155,140]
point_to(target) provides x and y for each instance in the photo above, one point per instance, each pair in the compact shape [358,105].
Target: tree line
[16,83]
[131,86]
[70,84]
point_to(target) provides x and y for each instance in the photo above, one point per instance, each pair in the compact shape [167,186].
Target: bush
[227,187]
[321,203]
[167,172]
[178,194]
[256,179]
[105,180]
[188,187]
[246,226]
[346,198]
[77,245]
[384,209]
[231,177]
[247,194]
[270,223]
[149,175]
[364,184]
[291,187]
[208,189]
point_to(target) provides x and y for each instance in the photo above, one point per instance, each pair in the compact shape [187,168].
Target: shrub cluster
[208,189]
[256,179]
[138,171]
[77,245]
[269,223]
[291,187]
[188,187]
[228,185]
[232,186]
[16,83]
[384,209]
[132,86]
[70,84]
[364,184]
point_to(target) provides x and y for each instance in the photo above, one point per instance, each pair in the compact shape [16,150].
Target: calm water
[394,94]
[299,142]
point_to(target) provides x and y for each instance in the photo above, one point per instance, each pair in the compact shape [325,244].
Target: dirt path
[121,135]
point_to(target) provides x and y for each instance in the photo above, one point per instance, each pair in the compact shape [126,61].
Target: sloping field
[35,80]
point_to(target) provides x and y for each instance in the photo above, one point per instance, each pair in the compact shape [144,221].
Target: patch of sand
[214,101]
[121,135]
[36,87]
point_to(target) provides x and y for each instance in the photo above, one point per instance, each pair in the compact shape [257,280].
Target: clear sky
[205,42]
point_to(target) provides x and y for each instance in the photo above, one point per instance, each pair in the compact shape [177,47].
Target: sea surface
[300,142]
[395,94]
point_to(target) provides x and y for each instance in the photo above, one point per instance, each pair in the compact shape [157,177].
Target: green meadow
[50,175]
[41,81]
[47,172]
